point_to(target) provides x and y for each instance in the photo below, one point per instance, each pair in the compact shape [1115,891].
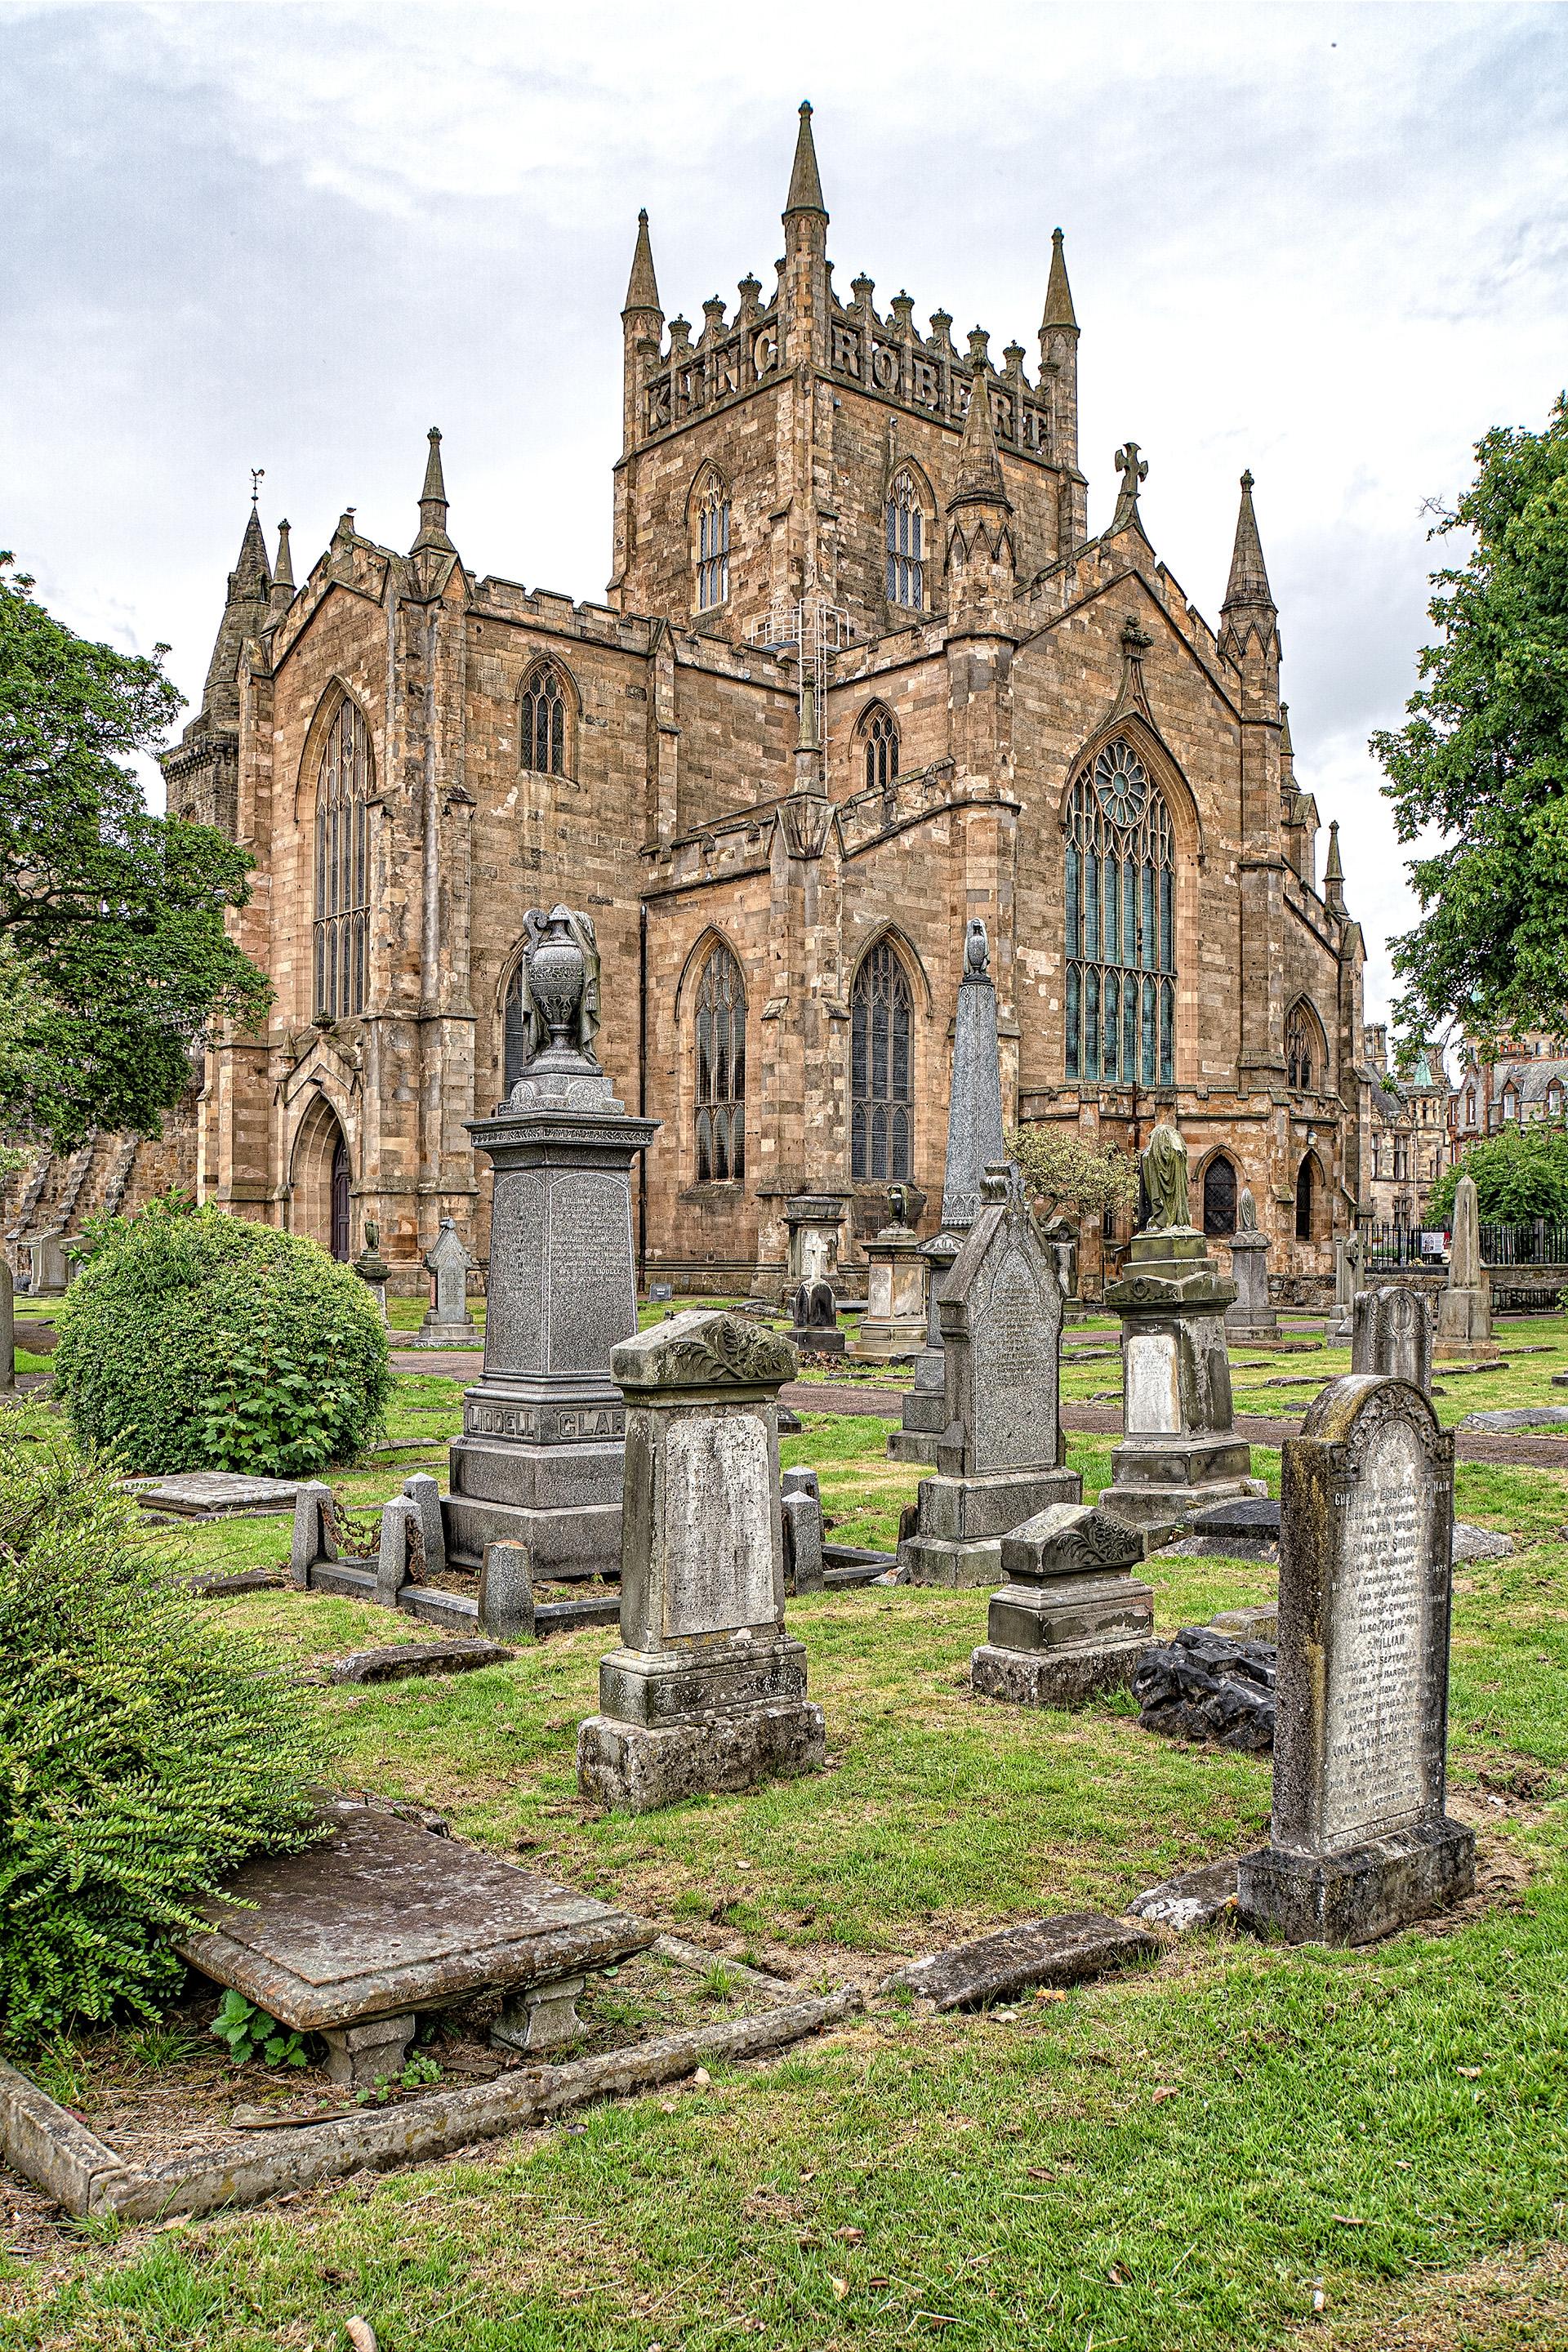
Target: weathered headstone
[448,1322]
[801,1507]
[422,1491]
[1391,1334]
[539,1459]
[315,1531]
[1465,1306]
[815,1220]
[506,1592]
[401,1560]
[7,1328]
[1250,1315]
[816,1320]
[894,1322]
[50,1267]
[1072,1618]
[1350,1263]
[1001,1453]
[974,1142]
[707,1690]
[1180,1453]
[1360,1843]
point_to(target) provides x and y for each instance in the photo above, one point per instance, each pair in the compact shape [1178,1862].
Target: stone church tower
[861,673]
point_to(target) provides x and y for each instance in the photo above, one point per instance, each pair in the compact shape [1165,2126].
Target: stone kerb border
[49,2147]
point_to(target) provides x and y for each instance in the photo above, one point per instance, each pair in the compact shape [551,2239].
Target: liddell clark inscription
[1374,1762]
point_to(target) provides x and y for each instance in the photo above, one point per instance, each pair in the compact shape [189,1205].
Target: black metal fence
[1533,1243]
[1401,1245]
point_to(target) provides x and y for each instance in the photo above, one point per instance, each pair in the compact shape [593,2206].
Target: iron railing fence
[1534,1243]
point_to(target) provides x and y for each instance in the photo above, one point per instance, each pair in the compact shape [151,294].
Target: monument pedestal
[1071,1619]
[1249,1315]
[964,1521]
[1464,1328]
[894,1323]
[1181,1454]
[1362,1893]
[924,1406]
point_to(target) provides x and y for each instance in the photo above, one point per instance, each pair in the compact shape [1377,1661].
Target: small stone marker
[816,1312]
[804,1562]
[707,1691]
[399,1660]
[1250,1317]
[506,1591]
[402,1557]
[1001,1455]
[423,1492]
[1360,1843]
[1071,1619]
[315,1531]
[1062,1951]
[8,1327]
[1465,1306]
[1349,1261]
[448,1322]
[1391,1334]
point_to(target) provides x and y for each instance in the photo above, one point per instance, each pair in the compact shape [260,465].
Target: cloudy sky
[1325,242]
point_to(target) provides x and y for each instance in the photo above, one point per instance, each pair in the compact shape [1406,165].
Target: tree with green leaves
[1069,1177]
[1521,1173]
[114,958]
[1482,759]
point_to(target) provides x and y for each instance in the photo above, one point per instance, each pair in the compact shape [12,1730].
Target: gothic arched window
[542,732]
[713,545]
[1303,1047]
[1306,1186]
[1219,1197]
[881,1115]
[720,1122]
[344,783]
[906,545]
[880,732]
[1121,889]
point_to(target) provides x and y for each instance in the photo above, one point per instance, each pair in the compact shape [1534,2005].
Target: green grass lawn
[1175,2160]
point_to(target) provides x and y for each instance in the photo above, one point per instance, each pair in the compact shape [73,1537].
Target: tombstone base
[658,1687]
[1158,1478]
[360,2057]
[641,1767]
[1339,1334]
[817,1339]
[443,1334]
[1466,1352]
[1363,1894]
[541,2017]
[1251,1335]
[1055,1677]
[887,1343]
[964,1521]
[913,1446]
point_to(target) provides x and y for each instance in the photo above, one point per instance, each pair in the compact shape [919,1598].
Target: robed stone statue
[1163,1166]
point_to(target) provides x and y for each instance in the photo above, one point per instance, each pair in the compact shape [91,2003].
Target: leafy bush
[1520,1173]
[144,1750]
[1071,1177]
[192,1341]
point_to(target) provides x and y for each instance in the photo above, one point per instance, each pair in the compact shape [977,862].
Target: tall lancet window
[720,1124]
[344,783]
[713,545]
[906,545]
[1120,891]
[881,1111]
[879,731]
[541,736]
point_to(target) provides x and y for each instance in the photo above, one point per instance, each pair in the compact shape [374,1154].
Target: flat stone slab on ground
[1194,1898]
[397,1660]
[248,1579]
[1257,1515]
[1064,1950]
[209,1494]
[385,1918]
[1480,1543]
[1516,1416]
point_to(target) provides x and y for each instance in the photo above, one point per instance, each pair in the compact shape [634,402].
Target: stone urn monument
[894,1323]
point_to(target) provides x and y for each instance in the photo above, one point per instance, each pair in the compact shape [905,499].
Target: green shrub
[1521,1172]
[144,1750]
[192,1341]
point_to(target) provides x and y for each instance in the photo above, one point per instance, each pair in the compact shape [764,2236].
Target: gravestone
[506,1592]
[51,1268]
[1359,1842]
[539,1459]
[800,1501]
[814,1219]
[372,1267]
[1001,1453]
[816,1324]
[1180,1453]
[7,1328]
[448,1322]
[1072,1618]
[894,1323]
[1350,1263]
[1391,1334]
[1464,1305]
[707,1691]
[974,1143]
[1249,1315]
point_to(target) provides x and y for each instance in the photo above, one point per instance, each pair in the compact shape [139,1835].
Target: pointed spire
[1334,872]
[979,465]
[805,181]
[433,502]
[282,575]
[1059,311]
[1287,749]
[642,290]
[1248,579]
[252,573]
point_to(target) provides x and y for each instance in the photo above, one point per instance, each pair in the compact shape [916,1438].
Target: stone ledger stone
[1000,1454]
[1071,1618]
[707,1691]
[1360,1843]
[1179,1453]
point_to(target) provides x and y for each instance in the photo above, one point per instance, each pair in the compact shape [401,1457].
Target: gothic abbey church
[860,675]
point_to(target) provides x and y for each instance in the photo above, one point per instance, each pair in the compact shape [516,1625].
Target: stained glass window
[906,532]
[881,1102]
[721,1131]
[344,783]
[1302,1044]
[1121,907]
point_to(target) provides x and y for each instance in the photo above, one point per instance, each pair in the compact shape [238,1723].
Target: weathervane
[258,476]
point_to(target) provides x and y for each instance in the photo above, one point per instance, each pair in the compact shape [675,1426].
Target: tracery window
[542,735]
[344,783]
[1121,925]
[881,1114]
[1301,1037]
[879,730]
[1219,1196]
[712,546]
[721,1119]
[905,544]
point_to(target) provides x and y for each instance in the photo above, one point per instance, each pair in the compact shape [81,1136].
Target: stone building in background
[1525,1079]
[1408,1144]
[861,673]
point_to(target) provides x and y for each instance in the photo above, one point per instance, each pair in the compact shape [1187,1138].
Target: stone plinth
[894,1323]
[1000,1456]
[1180,1453]
[923,1409]
[1249,1315]
[1071,1618]
[815,1220]
[816,1324]
[1465,1307]
[1391,1333]
[1359,1842]
[707,1691]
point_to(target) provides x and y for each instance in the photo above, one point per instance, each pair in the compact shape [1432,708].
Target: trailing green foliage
[192,1341]
[247,2031]
[144,1752]
[1520,1173]
[114,956]
[1483,757]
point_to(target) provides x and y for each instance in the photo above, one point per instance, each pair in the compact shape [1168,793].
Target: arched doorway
[1306,1198]
[321,1182]
[340,1243]
[1219,1196]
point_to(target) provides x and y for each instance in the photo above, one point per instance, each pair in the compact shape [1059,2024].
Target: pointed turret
[642,287]
[1059,311]
[1249,578]
[1334,873]
[980,551]
[1058,380]
[979,464]
[282,594]
[433,504]
[804,181]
